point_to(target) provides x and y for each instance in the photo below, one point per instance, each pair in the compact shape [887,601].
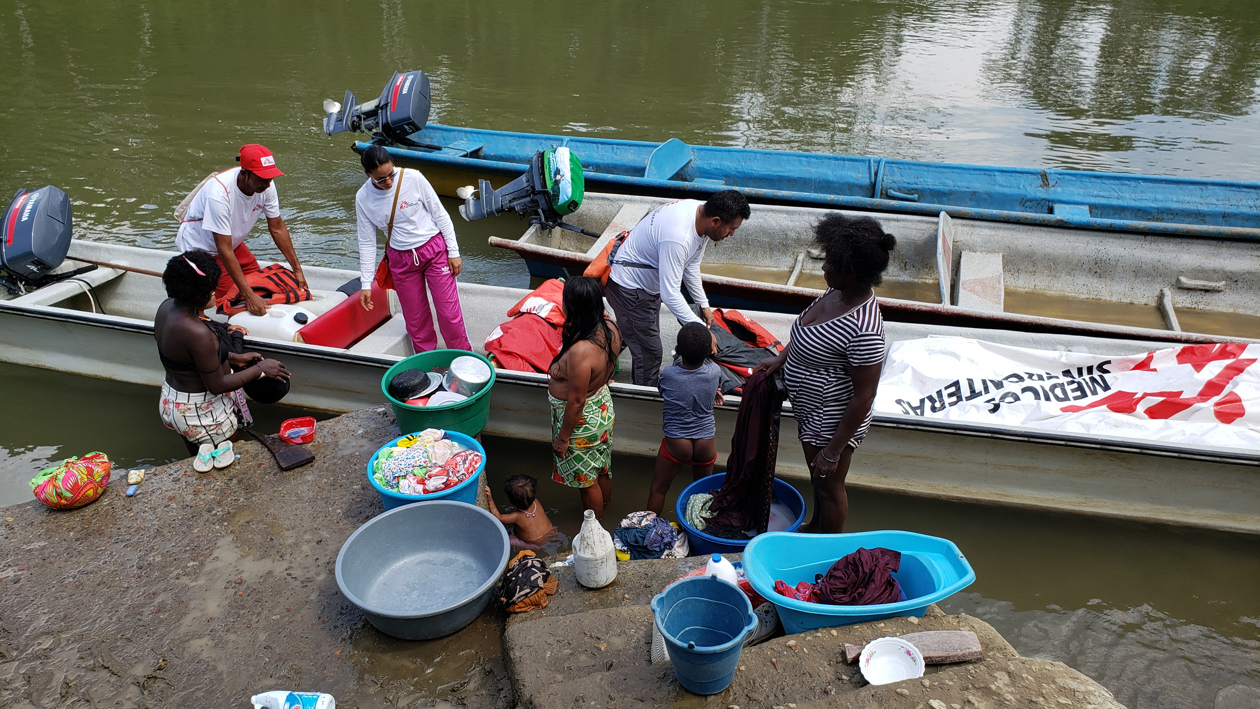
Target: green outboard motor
[550,190]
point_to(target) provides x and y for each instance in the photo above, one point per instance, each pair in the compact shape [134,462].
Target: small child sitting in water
[690,391]
[533,527]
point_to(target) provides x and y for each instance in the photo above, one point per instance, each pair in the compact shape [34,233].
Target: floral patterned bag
[74,482]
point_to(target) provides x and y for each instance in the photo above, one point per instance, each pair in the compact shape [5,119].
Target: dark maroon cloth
[862,578]
[744,500]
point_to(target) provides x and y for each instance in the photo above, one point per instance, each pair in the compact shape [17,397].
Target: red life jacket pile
[531,339]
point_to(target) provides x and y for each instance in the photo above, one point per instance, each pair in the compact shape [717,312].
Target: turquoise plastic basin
[932,569]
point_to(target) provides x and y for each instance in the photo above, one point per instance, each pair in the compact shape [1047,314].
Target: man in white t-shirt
[662,253]
[224,211]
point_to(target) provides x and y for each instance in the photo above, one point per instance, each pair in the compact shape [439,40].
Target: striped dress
[817,369]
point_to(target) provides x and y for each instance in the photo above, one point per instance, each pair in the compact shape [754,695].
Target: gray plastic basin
[423,570]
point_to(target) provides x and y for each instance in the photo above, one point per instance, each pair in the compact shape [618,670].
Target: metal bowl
[423,570]
[467,376]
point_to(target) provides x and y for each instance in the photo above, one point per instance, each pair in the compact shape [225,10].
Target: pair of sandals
[209,457]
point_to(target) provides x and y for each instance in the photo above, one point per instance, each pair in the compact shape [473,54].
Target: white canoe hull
[1217,489]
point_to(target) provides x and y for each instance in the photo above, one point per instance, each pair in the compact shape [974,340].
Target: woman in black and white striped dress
[833,360]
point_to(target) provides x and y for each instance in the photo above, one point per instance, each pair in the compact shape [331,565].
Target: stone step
[601,658]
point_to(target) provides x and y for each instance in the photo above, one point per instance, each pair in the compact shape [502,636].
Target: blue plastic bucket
[463,492]
[704,544]
[705,622]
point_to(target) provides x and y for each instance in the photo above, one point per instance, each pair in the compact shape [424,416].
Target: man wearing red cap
[224,211]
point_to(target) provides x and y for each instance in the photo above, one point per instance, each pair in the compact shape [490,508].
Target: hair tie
[194,266]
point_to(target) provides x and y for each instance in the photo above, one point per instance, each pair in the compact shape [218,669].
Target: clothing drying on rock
[643,535]
[527,584]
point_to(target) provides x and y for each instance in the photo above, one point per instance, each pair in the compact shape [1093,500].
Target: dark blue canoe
[1072,198]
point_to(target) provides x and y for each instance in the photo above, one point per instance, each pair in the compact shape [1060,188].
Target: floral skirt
[202,417]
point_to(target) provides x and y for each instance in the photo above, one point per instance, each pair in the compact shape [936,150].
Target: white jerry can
[594,558]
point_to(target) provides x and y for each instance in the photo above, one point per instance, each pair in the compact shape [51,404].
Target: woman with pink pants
[421,249]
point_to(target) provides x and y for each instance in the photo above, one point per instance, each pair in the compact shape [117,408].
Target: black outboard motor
[401,109]
[35,235]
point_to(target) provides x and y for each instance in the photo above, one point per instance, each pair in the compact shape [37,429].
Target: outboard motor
[550,190]
[35,236]
[401,110]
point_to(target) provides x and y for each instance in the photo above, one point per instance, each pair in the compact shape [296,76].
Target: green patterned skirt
[590,447]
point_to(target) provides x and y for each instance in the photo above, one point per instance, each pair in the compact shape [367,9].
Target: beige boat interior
[1163,282]
[134,295]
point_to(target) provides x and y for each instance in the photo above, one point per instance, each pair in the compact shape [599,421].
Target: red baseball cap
[259,160]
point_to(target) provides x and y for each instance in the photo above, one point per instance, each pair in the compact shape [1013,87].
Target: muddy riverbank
[205,589]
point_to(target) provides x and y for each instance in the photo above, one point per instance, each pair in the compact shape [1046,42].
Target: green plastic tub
[468,417]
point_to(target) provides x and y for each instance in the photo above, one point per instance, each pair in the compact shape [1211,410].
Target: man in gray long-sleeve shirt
[662,253]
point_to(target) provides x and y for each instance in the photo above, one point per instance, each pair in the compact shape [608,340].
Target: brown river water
[127,105]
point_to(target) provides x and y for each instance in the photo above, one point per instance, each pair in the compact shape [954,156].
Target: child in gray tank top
[690,391]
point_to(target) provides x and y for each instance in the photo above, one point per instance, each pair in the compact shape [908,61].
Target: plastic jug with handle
[280,322]
[722,568]
[594,558]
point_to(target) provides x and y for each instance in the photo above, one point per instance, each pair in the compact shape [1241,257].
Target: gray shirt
[688,395]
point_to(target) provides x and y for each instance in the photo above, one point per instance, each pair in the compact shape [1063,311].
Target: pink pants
[414,270]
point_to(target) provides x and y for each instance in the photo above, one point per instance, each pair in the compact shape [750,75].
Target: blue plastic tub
[932,569]
[705,622]
[463,492]
[703,544]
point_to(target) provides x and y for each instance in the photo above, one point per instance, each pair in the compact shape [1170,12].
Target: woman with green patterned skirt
[581,405]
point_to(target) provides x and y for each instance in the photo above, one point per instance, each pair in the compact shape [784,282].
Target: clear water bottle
[723,569]
[594,557]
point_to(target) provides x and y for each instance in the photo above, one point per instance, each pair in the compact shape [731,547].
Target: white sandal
[205,458]
[224,455]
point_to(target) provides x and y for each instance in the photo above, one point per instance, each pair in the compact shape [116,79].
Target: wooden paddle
[120,267]
[288,455]
[938,647]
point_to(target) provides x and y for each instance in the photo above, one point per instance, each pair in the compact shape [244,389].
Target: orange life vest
[275,284]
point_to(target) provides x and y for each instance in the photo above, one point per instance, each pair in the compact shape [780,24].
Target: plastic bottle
[281,322]
[293,700]
[594,558]
[723,569]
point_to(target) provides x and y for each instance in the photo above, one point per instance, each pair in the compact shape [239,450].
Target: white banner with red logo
[1207,395]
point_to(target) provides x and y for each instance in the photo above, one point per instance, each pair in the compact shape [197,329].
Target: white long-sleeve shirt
[667,241]
[420,217]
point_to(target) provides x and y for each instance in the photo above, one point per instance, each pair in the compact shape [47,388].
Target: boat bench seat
[461,148]
[625,219]
[347,322]
[980,284]
[390,338]
[667,159]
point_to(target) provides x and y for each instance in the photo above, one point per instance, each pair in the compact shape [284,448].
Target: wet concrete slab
[207,588]
[592,649]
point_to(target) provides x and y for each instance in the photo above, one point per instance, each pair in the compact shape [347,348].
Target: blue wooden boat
[932,569]
[453,157]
